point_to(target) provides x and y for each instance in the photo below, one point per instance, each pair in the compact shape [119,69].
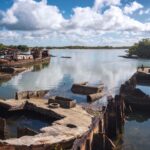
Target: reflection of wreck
[135,98]
[138,116]
[93,92]
[7,73]
[38,67]
[12,61]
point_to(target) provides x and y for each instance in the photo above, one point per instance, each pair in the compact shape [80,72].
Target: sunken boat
[18,59]
[135,98]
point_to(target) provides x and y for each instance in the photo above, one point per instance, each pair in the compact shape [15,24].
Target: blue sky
[74,22]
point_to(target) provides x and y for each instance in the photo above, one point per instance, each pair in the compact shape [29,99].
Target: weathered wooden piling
[111,119]
[120,112]
[114,116]
[2,128]
[95,138]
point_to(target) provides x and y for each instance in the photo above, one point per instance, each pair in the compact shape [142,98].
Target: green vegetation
[22,48]
[141,49]
[2,47]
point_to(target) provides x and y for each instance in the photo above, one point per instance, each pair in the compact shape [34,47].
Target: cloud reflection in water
[85,65]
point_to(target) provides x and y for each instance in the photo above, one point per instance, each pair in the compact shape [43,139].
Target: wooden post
[16,96]
[106,122]
[119,112]
[111,131]
[2,128]
[109,145]
[88,145]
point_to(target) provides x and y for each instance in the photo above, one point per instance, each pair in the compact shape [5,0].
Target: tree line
[23,48]
[88,47]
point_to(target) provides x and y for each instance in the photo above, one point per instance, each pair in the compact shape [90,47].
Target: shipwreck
[135,98]
[14,58]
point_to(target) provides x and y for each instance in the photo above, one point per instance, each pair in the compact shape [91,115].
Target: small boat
[66,57]
[52,55]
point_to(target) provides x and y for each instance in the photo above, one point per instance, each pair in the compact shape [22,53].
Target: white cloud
[29,19]
[32,15]
[113,19]
[100,3]
[129,9]
[9,35]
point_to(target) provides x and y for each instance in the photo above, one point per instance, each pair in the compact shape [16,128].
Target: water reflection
[136,132]
[85,65]
[144,88]
[39,67]
[9,87]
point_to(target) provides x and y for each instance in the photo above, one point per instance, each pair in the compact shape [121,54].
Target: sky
[74,22]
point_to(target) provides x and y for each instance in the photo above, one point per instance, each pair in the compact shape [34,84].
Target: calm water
[85,65]
[136,132]
[25,120]
[144,88]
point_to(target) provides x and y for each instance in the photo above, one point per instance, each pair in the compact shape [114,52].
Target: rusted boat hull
[140,104]
[25,62]
[143,78]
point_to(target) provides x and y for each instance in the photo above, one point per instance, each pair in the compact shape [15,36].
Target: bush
[2,47]
[23,48]
[141,49]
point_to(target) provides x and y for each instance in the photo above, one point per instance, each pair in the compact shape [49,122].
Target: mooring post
[106,122]
[28,95]
[111,110]
[88,145]
[119,112]
[90,140]
[102,124]
[16,96]
[82,146]
[2,128]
